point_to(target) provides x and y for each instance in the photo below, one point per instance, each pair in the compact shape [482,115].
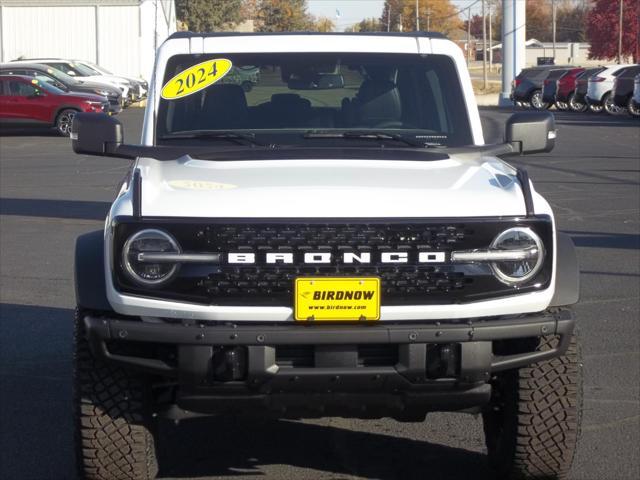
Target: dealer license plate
[337,299]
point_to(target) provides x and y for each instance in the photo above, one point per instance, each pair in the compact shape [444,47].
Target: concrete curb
[488,100]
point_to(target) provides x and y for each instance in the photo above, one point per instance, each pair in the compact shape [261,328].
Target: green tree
[283,16]
[435,15]
[369,25]
[322,24]
[208,15]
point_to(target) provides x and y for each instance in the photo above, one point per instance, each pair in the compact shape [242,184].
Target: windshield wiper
[237,137]
[373,135]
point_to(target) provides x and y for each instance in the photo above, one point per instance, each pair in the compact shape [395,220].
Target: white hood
[456,187]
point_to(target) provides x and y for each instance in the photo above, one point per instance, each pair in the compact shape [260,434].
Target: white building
[119,35]
[567,53]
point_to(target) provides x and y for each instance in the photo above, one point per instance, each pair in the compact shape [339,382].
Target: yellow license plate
[337,299]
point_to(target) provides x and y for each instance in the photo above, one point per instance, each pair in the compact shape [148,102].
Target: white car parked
[78,70]
[599,89]
[635,99]
[140,86]
[324,244]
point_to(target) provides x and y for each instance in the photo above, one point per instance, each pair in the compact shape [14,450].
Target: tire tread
[113,439]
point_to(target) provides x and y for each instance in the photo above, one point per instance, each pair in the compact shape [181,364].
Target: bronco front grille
[272,284]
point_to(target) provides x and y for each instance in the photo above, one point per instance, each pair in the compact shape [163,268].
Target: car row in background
[612,88]
[133,90]
[60,88]
[26,101]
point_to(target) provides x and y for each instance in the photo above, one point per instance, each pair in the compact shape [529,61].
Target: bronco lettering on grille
[309,258]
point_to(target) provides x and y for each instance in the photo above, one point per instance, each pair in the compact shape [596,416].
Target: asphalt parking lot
[48,196]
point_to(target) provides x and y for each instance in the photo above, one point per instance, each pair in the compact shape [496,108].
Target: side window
[21,89]
[64,67]
[3,85]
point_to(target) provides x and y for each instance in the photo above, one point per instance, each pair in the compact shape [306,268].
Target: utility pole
[469,36]
[400,26]
[484,47]
[490,41]
[389,19]
[620,35]
[428,19]
[553,22]
[417,15]
[514,20]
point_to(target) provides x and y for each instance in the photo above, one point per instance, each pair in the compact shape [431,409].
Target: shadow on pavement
[35,381]
[71,209]
[29,132]
[231,446]
[630,241]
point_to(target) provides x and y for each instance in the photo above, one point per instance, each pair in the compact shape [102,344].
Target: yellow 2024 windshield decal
[195,78]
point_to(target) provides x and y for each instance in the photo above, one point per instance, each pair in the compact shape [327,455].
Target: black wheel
[610,107]
[247,86]
[532,424]
[64,120]
[577,106]
[114,439]
[633,108]
[537,102]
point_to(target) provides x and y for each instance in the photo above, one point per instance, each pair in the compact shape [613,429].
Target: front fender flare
[91,292]
[567,290]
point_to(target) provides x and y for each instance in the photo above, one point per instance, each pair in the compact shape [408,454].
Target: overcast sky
[352,11]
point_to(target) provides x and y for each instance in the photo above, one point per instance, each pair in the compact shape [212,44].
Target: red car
[567,86]
[25,101]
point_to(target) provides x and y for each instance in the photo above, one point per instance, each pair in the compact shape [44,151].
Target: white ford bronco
[336,240]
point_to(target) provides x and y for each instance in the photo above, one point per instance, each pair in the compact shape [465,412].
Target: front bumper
[115,105]
[319,370]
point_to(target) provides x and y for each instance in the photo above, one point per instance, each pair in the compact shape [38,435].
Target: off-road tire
[532,424]
[113,431]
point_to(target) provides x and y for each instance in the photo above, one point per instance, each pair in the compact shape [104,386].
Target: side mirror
[531,132]
[96,134]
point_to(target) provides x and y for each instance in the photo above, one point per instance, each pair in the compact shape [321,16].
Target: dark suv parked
[623,87]
[550,88]
[65,82]
[527,87]
[579,101]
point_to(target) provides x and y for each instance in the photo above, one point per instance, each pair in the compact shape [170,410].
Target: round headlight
[144,271]
[515,272]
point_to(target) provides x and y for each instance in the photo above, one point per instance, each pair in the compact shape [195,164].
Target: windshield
[63,77]
[46,85]
[287,98]
[96,68]
[72,69]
